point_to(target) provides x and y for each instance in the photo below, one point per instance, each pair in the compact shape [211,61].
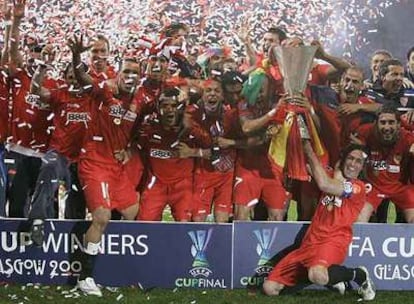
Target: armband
[348,189]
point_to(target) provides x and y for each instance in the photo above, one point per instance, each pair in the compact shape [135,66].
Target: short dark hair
[277,31]
[385,66]
[232,77]
[410,51]
[389,107]
[355,68]
[382,52]
[170,92]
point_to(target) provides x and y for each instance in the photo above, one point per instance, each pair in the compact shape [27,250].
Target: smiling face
[212,97]
[376,61]
[99,55]
[392,81]
[353,164]
[388,128]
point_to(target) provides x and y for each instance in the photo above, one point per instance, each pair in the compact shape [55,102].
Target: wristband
[348,189]
[200,152]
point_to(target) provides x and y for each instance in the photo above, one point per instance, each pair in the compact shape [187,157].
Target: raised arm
[338,65]
[6,13]
[77,47]
[15,57]
[36,86]
[252,125]
[323,180]
[243,34]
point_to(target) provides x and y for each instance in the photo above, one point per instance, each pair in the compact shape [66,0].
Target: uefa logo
[200,271]
[200,240]
[265,238]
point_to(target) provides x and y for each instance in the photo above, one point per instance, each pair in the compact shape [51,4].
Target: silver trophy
[295,64]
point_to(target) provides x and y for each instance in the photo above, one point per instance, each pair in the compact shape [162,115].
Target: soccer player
[213,179]
[391,147]
[256,176]
[169,167]
[102,173]
[71,116]
[325,245]
[28,123]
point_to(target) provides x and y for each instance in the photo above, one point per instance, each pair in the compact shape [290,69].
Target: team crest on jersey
[77,117]
[379,165]
[163,154]
[332,200]
[34,101]
[356,189]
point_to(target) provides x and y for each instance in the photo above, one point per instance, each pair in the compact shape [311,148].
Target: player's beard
[388,138]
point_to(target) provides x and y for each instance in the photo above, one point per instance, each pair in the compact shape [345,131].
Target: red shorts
[249,187]
[403,198]
[106,185]
[134,168]
[157,195]
[212,188]
[293,268]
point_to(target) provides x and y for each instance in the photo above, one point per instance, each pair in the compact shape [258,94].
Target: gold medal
[117,121]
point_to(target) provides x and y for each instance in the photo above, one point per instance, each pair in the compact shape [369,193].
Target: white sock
[92,248]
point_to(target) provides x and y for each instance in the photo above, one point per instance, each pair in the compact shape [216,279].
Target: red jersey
[350,123]
[319,74]
[385,165]
[336,129]
[147,94]
[225,124]
[111,126]
[158,146]
[71,117]
[255,158]
[103,76]
[334,217]
[29,123]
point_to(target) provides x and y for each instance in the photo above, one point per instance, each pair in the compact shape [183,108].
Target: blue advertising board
[146,254]
[170,255]
[386,250]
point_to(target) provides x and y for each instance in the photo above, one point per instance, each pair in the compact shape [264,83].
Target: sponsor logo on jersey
[163,154]
[77,117]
